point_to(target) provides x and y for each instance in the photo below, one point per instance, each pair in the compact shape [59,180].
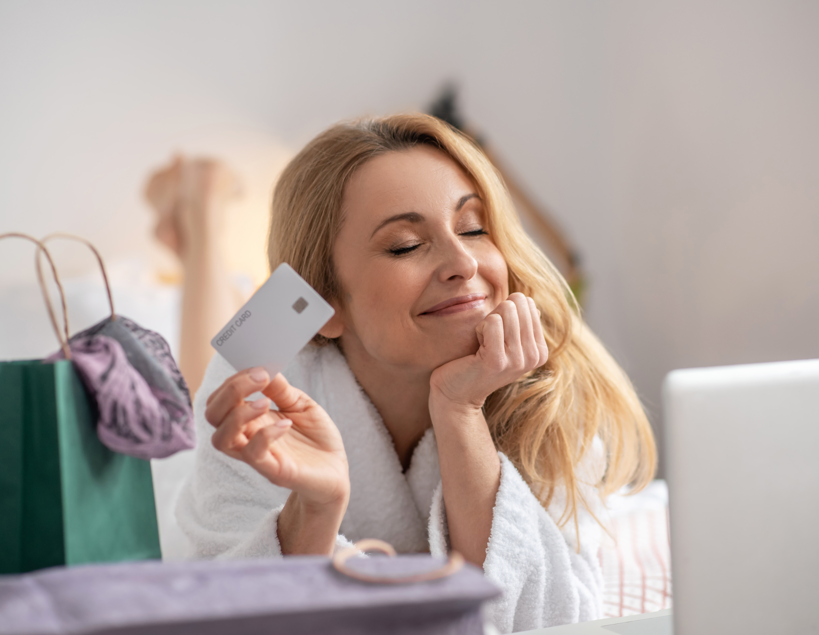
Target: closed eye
[400,251]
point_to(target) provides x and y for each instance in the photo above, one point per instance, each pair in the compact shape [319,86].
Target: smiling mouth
[457,305]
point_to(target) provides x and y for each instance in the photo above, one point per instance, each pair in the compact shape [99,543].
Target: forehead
[421,179]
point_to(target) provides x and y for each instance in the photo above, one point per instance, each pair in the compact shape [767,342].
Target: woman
[456,400]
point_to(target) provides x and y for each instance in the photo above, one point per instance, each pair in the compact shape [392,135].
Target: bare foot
[189,195]
[162,193]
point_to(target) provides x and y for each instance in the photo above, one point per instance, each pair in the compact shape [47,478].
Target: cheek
[495,271]
[382,300]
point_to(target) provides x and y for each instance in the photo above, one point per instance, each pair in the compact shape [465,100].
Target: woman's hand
[297,447]
[511,344]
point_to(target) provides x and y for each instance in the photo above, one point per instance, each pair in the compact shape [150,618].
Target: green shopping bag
[65,498]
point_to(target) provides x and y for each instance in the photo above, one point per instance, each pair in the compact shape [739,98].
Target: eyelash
[401,251]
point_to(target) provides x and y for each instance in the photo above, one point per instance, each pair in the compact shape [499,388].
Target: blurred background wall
[676,144]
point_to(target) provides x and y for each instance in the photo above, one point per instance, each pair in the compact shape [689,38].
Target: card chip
[300,305]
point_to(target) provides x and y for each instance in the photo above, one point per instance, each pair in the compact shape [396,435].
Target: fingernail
[259,375]
[259,404]
[283,423]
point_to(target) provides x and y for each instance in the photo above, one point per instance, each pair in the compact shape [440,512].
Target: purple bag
[296,594]
[143,402]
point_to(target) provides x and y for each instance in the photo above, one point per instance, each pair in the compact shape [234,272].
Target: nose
[456,261]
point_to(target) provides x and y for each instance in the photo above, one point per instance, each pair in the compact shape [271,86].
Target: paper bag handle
[453,564]
[42,248]
[99,260]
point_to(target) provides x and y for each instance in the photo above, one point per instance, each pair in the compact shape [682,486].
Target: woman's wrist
[446,411]
[305,528]
[462,432]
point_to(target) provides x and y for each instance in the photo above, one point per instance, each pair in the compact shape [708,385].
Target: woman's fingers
[286,397]
[233,392]
[527,324]
[258,451]
[539,338]
[491,339]
[525,345]
[235,430]
[529,349]
[508,310]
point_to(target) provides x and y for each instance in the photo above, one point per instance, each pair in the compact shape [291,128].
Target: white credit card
[275,324]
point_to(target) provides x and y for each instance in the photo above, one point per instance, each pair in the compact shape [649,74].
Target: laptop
[742,448]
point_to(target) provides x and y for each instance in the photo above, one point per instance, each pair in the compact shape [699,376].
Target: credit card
[275,324]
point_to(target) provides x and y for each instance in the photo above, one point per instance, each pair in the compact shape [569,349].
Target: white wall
[677,144]
[713,184]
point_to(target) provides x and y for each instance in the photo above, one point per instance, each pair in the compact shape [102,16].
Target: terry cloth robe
[228,510]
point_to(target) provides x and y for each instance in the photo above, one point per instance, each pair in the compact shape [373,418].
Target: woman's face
[417,270]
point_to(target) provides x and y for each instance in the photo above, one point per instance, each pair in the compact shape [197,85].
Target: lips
[459,302]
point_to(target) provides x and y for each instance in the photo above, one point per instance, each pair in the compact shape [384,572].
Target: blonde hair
[547,420]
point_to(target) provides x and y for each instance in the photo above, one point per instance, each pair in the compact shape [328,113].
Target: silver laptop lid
[743,475]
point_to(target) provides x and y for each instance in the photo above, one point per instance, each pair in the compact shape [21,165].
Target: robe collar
[385,502]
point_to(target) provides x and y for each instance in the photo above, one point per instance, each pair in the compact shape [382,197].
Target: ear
[335,326]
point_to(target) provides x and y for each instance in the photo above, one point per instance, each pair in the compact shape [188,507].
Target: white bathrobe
[229,510]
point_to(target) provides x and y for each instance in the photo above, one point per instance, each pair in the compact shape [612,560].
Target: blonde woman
[456,400]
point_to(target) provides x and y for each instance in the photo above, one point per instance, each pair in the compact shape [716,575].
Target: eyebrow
[415,217]
[411,217]
[463,200]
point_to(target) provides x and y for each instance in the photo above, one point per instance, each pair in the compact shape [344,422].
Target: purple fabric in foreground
[143,401]
[282,595]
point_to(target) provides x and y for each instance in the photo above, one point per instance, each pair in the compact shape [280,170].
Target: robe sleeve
[545,581]
[226,509]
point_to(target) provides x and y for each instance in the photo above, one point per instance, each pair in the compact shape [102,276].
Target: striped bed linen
[636,558]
